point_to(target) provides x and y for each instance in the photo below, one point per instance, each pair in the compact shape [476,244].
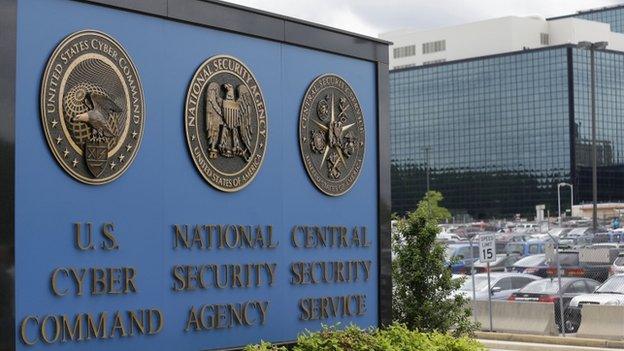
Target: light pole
[559,198]
[427,158]
[472,273]
[592,47]
[558,263]
[556,244]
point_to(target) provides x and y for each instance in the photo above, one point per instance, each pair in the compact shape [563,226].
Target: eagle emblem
[228,126]
[94,123]
[95,119]
[226,123]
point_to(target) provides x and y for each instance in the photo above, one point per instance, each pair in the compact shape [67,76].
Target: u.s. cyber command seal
[331,134]
[92,107]
[226,123]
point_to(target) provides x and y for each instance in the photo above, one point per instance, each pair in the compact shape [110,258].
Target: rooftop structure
[494,36]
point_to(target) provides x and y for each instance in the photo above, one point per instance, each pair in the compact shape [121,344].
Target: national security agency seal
[331,134]
[226,123]
[92,107]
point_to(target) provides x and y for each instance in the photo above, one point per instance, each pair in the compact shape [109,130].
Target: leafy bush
[423,296]
[399,338]
[394,338]
[264,346]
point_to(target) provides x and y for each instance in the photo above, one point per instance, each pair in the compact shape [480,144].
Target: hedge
[394,338]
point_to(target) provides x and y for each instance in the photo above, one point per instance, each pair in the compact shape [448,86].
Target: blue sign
[157,257]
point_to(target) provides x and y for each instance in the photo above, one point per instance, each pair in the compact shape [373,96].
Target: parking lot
[564,280]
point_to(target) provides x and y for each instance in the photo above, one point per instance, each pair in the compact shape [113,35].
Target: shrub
[423,286]
[397,337]
[400,338]
[264,346]
[334,339]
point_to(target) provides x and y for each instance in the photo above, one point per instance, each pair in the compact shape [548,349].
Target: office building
[495,114]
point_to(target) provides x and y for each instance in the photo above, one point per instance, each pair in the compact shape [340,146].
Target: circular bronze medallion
[92,107]
[226,123]
[331,134]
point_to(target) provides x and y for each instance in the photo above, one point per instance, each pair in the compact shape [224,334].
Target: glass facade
[609,68]
[614,16]
[496,134]
[493,133]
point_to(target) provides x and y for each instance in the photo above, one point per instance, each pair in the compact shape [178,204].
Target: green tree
[423,296]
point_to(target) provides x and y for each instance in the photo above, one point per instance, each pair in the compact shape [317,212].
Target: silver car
[502,285]
[618,265]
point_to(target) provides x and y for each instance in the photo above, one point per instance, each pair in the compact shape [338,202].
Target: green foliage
[334,339]
[423,289]
[264,346]
[395,338]
[399,338]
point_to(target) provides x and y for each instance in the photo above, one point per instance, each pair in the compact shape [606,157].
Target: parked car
[618,265]
[526,228]
[559,232]
[540,266]
[534,264]
[619,246]
[580,231]
[502,239]
[609,237]
[576,241]
[610,293]
[556,232]
[594,262]
[547,290]
[569,263]
[449,237]
[503,263]
[459,259]
[502,285]
[526,248]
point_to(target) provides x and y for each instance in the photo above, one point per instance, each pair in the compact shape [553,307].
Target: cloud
[370,17]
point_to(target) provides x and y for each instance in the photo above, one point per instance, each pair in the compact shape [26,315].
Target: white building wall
[574,30]
[498,36]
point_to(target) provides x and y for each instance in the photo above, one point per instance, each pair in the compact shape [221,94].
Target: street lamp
[559,198]
[427,148]
[600,45]
[557,248]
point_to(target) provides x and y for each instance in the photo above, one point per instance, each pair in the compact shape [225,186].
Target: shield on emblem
[96,155]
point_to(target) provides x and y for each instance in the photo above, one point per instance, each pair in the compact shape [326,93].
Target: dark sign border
[8,48]
[222,16]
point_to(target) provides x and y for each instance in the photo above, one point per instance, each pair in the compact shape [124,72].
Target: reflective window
[504,284]
[520,282]
[534,249]
[493,133]
[578,286]
[609,67]
[544,286]
[497,134]
[614,16]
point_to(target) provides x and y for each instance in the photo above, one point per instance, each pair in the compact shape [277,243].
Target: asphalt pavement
[496,345]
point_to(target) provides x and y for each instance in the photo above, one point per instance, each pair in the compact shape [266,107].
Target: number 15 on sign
[487,253]
[487,248]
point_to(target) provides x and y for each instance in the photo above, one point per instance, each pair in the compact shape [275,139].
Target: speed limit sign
[487,248]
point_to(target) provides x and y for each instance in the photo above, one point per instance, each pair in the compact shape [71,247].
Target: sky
[371,17]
